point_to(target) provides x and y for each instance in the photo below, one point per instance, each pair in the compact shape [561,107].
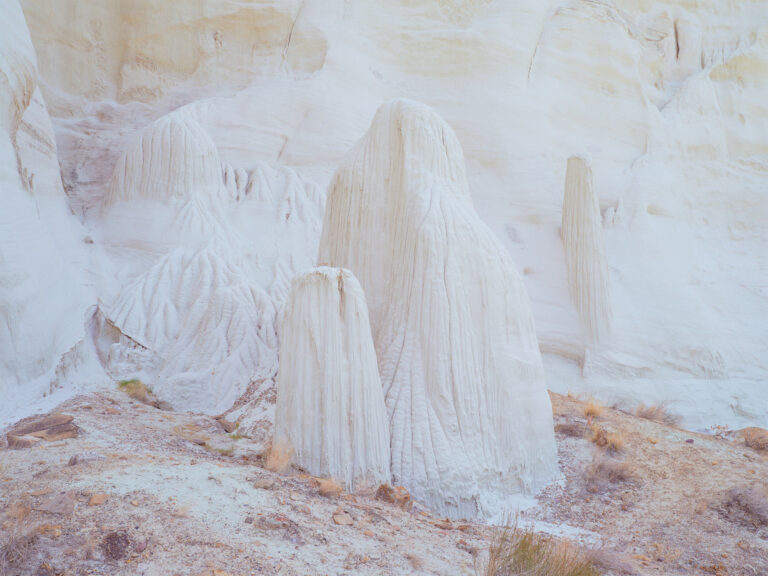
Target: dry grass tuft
[515,552]
[279,457]
[756,438]
[17,540]
[657,413]
[613,441]
[571,429]
[328,488]
[593,409]
[746,505]
[603,472]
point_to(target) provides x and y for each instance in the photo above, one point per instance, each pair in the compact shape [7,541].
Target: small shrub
[137,390]
[755,438]
[657,413]
[613,441]
[570,429]
[603,472]
[747,505]
[17,540]
[515,552]
[279,457]
[593,409]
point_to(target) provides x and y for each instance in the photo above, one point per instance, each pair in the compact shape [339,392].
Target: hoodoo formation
[470,419]
[330,407]
[584,247]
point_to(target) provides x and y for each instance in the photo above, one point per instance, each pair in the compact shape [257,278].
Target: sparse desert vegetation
[18,535]
[756,438]
[746,505]
[613,441]
[328,488]
[593,409]
[669,502]
[657,413]
[514,551]
[570,429]
[139,391]
[626,507]
[604,472]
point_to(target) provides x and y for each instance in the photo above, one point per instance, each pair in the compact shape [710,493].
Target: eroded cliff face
[42,296]
[666,99]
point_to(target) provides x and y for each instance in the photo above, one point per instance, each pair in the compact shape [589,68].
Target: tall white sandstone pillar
[470,418]
[330,405]
[584,247]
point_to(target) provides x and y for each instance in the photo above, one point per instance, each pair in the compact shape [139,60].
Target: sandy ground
[158,492]
[671,516]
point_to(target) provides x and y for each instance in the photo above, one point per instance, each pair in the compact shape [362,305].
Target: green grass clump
[136,389]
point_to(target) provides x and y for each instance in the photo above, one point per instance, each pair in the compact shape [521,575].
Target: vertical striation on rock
[584,247]
[470,418]
[173,158]
[330,406]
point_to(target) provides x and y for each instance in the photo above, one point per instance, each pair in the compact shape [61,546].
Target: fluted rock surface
[330,406]
[470,418]
[204,267]
[584,247]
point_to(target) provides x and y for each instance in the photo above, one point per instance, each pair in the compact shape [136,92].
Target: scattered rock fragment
[21,442]
[341,518]
[444,525]
[51,427]
[228,426]
[98,499]
[41,492]
[328,488]
[86,457]
[264,484]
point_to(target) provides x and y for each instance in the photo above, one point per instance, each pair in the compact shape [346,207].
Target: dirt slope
[142,490]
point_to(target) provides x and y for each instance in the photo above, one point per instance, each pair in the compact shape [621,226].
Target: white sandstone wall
[330,406]
[42,299]
[470,417]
